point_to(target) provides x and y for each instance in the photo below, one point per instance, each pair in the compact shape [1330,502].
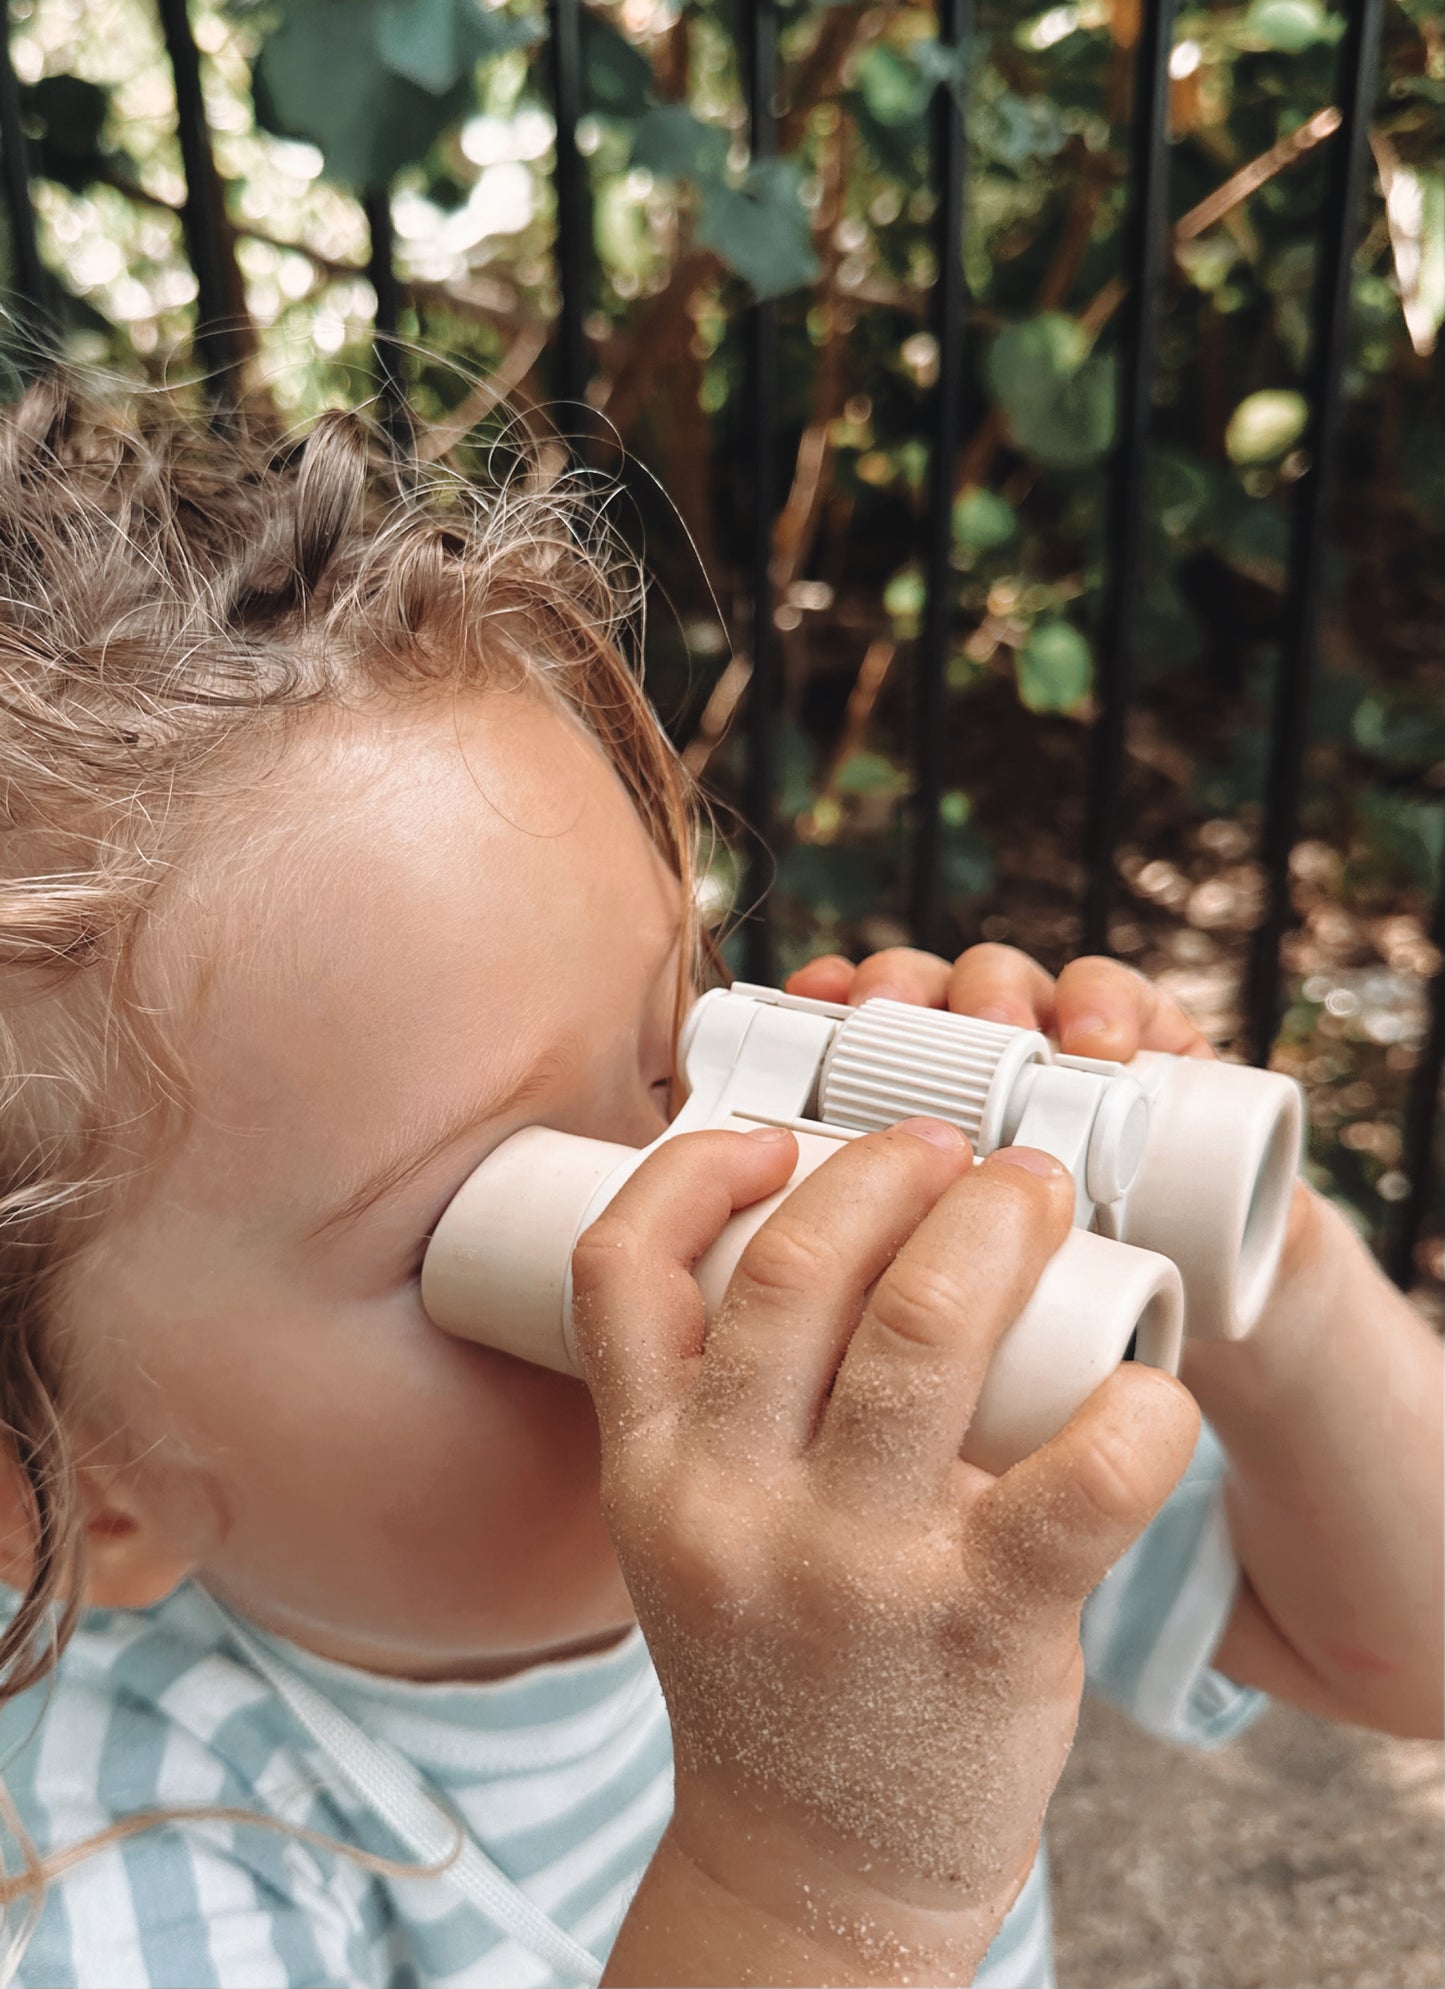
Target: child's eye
[418,1258]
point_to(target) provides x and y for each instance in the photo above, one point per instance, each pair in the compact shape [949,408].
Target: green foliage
[1265,426]
[1405,834]
[983,522]
[1058,396]
[669,141]
[869,773]
[375,83]
[1055,666]
[1400,729]
[759,227]
[1288,26]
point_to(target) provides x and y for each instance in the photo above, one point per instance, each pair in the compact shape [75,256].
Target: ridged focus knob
[890,1061]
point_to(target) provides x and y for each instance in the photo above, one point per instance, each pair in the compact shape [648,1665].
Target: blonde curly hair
[175,593]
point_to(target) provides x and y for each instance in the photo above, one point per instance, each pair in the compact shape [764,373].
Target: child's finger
[636,1310]
[1057,1521]
[1104,1009]
[800,1284]
[905,1393]
[902,973]
[1001,984]
[828,978]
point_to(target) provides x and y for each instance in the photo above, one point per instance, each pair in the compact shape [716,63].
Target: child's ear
[132,1557]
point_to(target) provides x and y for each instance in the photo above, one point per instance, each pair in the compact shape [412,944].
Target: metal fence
[1142,274]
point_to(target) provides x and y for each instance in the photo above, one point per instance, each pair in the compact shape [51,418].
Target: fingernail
[937,1132]
[879,991]
[1089,1025]
[1031,1158]
[768,1135]
[996,1011]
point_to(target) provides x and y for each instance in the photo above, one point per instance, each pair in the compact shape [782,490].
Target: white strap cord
[398,1794]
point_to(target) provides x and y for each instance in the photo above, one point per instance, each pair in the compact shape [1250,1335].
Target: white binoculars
[1183,1170]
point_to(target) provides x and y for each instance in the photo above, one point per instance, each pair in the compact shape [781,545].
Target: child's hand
[1096,1008]
[869,1648]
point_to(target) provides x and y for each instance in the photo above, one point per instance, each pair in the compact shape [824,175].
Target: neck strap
[397,1792]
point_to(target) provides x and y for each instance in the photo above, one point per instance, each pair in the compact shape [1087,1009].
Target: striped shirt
[562,1775]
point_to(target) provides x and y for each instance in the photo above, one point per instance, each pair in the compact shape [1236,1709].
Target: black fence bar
[1417,1146]
[34,283]
[203,217]
[572,209]
[955,30]
[381,273]
[1144,249]
[1313,512]
[760,36]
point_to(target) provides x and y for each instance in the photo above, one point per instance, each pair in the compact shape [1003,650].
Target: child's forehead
[390,886]
[363,805]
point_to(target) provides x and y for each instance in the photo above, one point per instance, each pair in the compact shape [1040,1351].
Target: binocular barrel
[1183,1173]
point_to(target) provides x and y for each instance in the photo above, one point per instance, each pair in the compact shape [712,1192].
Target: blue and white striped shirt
[562,1774]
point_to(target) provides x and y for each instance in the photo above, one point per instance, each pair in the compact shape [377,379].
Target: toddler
[340,844]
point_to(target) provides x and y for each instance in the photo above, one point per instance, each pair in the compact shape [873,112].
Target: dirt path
[1301,1856]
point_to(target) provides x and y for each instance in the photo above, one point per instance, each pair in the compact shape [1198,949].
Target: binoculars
[1182,1167]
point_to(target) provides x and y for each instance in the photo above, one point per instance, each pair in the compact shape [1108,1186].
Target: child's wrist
[835,1901]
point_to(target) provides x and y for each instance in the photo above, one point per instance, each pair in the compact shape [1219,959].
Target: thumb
[1058,1520]
[636,1311]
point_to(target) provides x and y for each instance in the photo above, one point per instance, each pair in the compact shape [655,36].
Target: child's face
[456,920]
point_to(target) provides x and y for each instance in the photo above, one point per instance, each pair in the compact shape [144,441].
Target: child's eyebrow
[396,1171]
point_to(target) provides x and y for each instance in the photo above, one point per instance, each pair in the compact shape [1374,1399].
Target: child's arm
[869,1649]
[1331,1411]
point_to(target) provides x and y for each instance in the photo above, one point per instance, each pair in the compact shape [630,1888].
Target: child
[341,844]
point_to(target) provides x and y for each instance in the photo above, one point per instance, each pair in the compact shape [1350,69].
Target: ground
[1299,1856]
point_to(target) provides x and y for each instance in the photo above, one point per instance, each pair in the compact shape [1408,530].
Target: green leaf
[1059,397]
[1265,426]
[1055,666]
[1252,536]
[669,141]
[1013,130]
[1401,728]
[437,43]
[982,522]
[890,85]
[1183,488]
[760,229]
[616,76]
[1406,832]
[870,773]
[1287,26]
[320,76]
[903,600]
